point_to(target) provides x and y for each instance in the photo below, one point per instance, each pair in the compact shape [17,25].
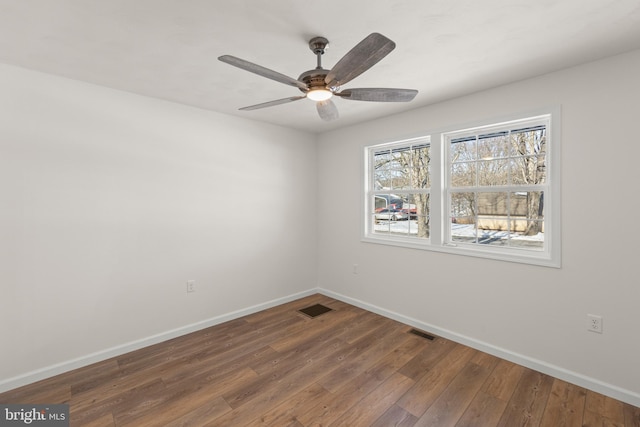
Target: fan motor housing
[314,78]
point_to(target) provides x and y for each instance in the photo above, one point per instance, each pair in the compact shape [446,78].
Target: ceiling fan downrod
[317,46]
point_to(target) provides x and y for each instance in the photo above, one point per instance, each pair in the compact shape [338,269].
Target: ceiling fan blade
[363,56]
[327,110]
[272,103]
[379,94]
[262,71]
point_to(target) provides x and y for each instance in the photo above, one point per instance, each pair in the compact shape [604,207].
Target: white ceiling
[168,49]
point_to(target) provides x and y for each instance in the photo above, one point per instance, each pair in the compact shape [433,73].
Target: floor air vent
[422,334]
[315,310]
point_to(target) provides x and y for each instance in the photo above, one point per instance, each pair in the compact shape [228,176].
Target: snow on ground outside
[461,231]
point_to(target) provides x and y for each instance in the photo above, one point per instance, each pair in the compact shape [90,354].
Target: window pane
[417,208]
[522,239]
[380,226]
[380,202]
[527,204]
[493,236]
[463,174]
[529,142]
[463,150]
[463,205]
[529,170]
[382,175]
[421,155]
[381,158]
[419,226]
[464,231]
[387,201]
[418,204]
[420,173]
[493,146]
[493,172]
[400,158]
[388,179]
[492,204]
[528,218]
[382,179]
[518,204]
[401,181]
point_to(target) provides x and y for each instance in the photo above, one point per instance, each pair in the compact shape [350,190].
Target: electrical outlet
[594,323]
[191,286]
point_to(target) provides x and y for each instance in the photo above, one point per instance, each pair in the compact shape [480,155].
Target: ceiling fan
[321,85]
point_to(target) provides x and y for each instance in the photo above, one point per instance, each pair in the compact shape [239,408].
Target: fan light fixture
[319,94]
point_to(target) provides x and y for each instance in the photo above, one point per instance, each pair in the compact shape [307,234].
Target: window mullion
[438,193]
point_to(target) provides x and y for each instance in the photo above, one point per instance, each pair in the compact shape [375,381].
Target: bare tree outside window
[402,179]
[494,180]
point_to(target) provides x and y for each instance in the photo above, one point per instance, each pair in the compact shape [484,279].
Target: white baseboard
[589,383]
[540,366]
[50,371]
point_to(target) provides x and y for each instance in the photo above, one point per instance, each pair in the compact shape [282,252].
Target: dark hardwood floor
[348,367]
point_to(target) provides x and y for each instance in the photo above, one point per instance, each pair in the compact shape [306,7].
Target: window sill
[533,258]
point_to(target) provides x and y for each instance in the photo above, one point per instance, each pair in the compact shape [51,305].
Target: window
[401,185]
[489,190]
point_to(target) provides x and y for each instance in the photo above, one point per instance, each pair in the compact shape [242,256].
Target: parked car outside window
[391,215]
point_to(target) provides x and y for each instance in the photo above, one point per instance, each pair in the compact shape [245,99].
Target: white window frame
[439,239]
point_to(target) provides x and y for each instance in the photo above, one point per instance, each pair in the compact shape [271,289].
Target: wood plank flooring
[347,367]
